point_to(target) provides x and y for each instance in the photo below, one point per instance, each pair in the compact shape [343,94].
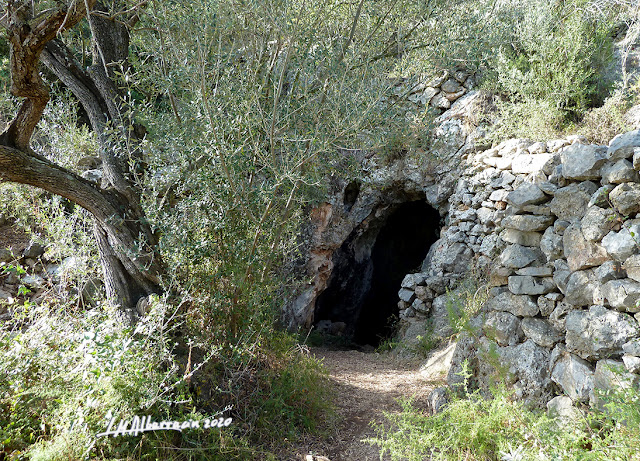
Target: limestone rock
[527,285]
[527,223]
[620,172]
[541,332]
[528,163]
[551,245]
[580,252]
[522,306]
[599,332]
[620,245]
[440,101]
[622,146]
[610,375]
[503,328]
[528,370]
[516,256]
[536,271]
[581,288]
[558,317]
[623,294]
[406,295]
[626,198]
[632,347]
[610,270]
[632,267]
[573,374]
[600,197]
[561,275]
[597,222]
[583,162]
[632,363]
[562,409]
[526,194]
[570,203]
[529,239]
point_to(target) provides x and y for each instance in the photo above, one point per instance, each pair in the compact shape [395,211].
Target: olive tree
[131,262]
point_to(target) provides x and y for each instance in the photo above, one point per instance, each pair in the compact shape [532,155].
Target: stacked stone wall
[555,227]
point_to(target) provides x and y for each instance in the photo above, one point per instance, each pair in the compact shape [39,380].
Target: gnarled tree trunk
[128,248]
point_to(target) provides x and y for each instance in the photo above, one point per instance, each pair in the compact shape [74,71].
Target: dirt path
[364,385]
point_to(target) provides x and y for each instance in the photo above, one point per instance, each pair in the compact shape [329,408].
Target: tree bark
[131,263]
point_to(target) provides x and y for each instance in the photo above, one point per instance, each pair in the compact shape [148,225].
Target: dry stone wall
[556,227]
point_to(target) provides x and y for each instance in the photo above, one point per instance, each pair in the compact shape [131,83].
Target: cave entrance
[361,298]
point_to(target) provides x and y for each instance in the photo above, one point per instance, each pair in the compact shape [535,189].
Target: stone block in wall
[610,270]
[623,145]
[573,374]
[558,317]
[597,222]
[632,267]
[632,347]
[536,271]
[636,159]
[581,288]
[527,285]
[632,363]
[619,172]
[551,245]
[528,223]
[623,294]
[623,244]
[516,256]
[600,197]
[570,203]
[626,198]
[561,274]
[525,367]
[522,306]
[526,194]
[528,163]
[599,332]
[503,328]
[541,332]
[610,375]
[547,304]
[406,295]
[580,252]
[580,162]
[440,101]
[537,148]
[529,239]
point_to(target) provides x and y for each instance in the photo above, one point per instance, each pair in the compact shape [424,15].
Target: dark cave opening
[362,293]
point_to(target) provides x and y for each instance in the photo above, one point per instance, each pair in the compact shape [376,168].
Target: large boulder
[619,172]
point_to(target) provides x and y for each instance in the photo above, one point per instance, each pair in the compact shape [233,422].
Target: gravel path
[364,385]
